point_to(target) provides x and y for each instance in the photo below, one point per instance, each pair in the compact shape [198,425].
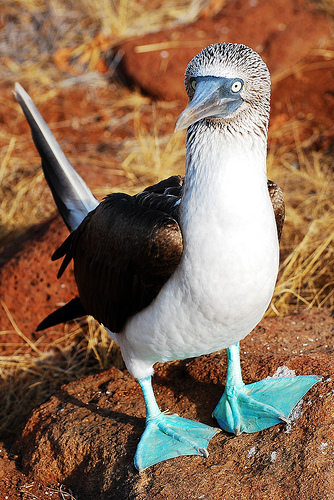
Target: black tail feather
[72,310]
[72,196]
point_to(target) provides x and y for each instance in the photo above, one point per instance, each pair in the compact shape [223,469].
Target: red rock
[85,436]
[28,285]
[289,35]
[284,32]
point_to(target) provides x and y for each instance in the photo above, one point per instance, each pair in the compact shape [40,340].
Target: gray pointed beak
[213,98]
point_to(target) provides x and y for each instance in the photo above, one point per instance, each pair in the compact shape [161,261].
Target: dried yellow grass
[127,18]
[26,199]
[25,489]
[30,375]
[306,276]
[74,34]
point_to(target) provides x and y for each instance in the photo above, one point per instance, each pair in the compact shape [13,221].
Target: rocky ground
[83,439]
[86,435]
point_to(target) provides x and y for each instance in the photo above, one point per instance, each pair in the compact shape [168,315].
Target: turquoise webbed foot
[168,436]
[254,407]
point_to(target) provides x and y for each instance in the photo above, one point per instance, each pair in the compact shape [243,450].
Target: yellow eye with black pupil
[236,86]
[193,84]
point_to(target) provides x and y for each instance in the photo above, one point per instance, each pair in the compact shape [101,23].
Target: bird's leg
[168,436]
[251,408]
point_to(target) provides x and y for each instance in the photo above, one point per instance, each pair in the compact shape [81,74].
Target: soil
[291,36]
[294,39]
[86,435]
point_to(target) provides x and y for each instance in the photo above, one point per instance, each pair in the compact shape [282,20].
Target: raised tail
[73,197]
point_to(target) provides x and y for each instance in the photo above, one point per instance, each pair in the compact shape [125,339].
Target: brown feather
[124,252]
[277,200]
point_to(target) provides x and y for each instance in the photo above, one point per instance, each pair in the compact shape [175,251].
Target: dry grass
[73,35]
[143,157]
[26,489]
[65,52]
[306,276]
[127,18]
[30,375]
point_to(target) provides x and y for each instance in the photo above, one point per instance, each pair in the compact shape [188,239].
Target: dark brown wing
[277,200]
[172,185]
[164,196]
[123,254]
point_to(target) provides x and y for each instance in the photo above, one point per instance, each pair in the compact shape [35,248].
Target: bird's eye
[193,84]
[236,86]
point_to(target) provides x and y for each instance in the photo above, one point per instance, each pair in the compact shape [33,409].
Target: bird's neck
[228,228]
[225,182]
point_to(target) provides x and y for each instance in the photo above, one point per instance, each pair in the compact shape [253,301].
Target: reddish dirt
[39,293]
[285,33]
[86,435]
[291,36]
[14,485]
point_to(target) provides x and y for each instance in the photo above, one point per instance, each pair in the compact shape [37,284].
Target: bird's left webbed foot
[168,436]
[254,407]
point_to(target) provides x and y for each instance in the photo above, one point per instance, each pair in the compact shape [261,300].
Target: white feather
[228,270]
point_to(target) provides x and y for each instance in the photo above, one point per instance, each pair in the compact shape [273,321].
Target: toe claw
[204,452]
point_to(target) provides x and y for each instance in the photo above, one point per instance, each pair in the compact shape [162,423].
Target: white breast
[229,266]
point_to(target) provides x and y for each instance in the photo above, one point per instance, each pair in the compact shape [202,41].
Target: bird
[188,266]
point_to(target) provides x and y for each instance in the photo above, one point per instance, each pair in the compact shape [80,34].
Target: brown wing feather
[172,185]
[123,254]
[277,200]
[164,196]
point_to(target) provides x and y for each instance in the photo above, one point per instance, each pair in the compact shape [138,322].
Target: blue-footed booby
[188,266]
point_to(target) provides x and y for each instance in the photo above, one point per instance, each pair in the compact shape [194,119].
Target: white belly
[207,305]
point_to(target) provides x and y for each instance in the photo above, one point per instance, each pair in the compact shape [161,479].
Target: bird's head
[225,82]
